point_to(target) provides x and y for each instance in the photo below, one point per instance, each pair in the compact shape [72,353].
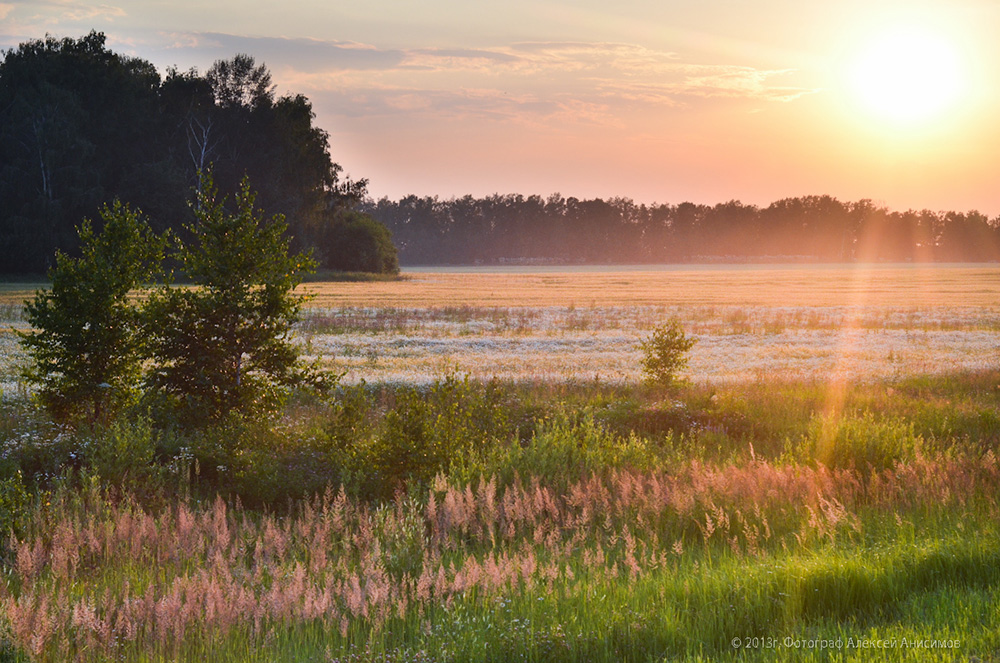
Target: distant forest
[81,126]
[556,230]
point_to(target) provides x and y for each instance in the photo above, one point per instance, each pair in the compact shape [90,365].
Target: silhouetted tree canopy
[81,125]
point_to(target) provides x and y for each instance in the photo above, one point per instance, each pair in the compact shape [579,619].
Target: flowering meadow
[492,481]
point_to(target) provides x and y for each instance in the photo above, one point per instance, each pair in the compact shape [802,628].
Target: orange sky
[655,100]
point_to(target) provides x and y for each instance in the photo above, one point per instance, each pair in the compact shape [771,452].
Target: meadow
[491,481]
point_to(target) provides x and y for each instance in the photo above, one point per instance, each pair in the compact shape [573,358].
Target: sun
[907,76]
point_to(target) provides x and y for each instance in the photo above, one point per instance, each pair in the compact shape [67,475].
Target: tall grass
[548,522]
[621,566]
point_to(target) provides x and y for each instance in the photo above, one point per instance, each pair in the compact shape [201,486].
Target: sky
[655,100]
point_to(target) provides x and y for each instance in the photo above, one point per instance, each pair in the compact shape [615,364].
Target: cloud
[564,71]
[550,85]
[706,83]
[540,83]
[301,54]
[53,12]
[26,20]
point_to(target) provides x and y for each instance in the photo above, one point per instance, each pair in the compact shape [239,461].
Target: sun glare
[907,76]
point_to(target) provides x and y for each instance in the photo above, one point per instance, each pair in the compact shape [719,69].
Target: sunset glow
[908,76]
[658,102]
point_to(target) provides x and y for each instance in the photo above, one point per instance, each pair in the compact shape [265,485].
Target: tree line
[81,126]
[532,229]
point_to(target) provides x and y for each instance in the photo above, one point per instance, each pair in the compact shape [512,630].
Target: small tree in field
[225,344]
[664,354]
[85,346]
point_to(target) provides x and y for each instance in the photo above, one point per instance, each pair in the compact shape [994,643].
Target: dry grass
[743,285]
[676,285]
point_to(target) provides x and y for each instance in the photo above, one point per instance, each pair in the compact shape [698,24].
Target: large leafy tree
[80,125]
[77,128]
[85,346]
[224,345]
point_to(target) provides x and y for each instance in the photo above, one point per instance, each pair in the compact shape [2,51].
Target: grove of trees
[516,228]
[81,125]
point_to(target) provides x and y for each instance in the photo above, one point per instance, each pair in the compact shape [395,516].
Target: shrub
[14,501]
[426,432]
[355,242]
[664,354]
[865,442]
[122,454]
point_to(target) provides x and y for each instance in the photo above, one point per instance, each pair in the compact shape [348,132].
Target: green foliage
[86,349]
[262,464]
[563,451]
[122,454]
[664,354]
[225,344]
[351,417]
[865,442]
[355,242]
[425,432]
[14,502]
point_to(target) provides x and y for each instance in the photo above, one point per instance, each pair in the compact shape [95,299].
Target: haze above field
[656,101]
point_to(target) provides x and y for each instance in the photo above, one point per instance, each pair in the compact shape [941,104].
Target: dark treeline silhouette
[534,230]
[81,126]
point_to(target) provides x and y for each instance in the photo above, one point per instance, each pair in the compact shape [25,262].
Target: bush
[865,442]
[664,354]
[14,501]
[355,242]
[426,432]
[122,455]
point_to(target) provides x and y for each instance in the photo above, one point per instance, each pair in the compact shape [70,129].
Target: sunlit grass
[738,285]
[632,567]
[918,285]
[860,322]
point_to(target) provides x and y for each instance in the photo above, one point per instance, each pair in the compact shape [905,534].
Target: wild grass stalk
[654,556]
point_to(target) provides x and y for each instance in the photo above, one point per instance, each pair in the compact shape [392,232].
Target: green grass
[621,523]
[889,588]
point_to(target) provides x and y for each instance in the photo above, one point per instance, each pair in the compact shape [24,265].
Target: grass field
[862,322]
[822,488]
[735,285]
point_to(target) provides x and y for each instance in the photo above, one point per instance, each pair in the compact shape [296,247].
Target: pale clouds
[528,83]
[591,83]
[34,19]
[53,12]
